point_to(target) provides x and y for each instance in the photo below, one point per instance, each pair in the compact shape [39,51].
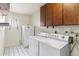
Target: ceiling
[25,8]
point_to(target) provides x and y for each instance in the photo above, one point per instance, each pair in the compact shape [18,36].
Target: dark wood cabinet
[43,15]
[77,12]
[49,11]
[53,14]
[69,14]
[57,14]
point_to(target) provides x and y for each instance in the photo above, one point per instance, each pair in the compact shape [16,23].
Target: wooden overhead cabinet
[51,14]
[43,15]
[69,14]
[49,11]
[57,14]
[77,12]
[60,14]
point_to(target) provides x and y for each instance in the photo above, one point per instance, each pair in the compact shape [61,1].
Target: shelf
[4,24]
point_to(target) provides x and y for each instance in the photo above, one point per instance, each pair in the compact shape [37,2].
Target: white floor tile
[11,53]
[6,52]
[20,51]
[15,51]
[24,51]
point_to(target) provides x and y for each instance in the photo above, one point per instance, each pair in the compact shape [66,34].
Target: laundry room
[39,29]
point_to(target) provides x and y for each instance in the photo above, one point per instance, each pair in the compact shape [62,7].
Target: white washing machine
[33,47]
[49,46]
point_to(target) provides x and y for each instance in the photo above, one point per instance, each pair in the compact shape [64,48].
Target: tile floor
[16,51]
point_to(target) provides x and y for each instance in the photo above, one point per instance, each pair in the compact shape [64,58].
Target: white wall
[13,35]
[2,36]
[60,29]
[35,19]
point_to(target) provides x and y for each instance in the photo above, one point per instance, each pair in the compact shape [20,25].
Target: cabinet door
[49,11]
[69,14]
[77,12]
[53,14]
[57,14]
[43,15]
